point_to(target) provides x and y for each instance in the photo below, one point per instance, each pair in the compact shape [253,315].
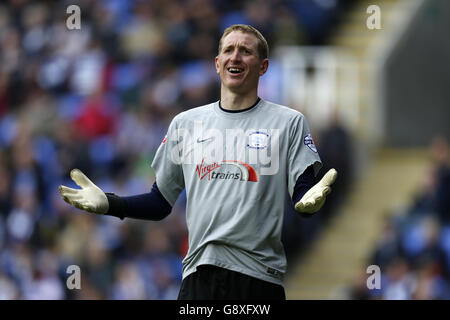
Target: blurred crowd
[100,99]
[413,251]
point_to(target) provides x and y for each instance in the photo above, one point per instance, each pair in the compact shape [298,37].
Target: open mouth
[235,70]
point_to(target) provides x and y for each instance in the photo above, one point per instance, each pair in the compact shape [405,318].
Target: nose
[236,56]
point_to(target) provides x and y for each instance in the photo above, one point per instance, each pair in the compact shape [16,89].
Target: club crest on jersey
[244,172]
[310,142]
[258,140]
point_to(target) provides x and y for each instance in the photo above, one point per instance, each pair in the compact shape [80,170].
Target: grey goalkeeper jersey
[235,168]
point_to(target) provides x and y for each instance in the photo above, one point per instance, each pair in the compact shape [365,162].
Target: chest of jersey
[244,153]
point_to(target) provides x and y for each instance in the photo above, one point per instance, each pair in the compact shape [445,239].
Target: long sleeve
[304,182]
[147,206]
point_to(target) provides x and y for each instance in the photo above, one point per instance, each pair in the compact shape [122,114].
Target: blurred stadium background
[100,99]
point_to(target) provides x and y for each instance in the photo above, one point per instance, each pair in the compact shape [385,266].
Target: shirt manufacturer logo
[204,140]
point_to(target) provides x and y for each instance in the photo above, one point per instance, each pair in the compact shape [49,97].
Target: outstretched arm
[148,206]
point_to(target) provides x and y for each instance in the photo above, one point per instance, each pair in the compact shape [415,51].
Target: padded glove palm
[89,198]
[315,197]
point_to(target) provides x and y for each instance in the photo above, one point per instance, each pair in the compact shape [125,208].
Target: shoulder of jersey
[194,113]
[281,110]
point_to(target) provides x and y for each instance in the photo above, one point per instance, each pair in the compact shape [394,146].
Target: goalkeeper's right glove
[89,198]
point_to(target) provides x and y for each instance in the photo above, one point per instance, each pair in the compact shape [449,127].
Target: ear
[263,66]
[216,61]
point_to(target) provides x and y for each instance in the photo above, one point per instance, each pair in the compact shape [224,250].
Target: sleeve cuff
[116,206]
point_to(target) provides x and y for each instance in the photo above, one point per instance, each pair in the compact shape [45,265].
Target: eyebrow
[240,47]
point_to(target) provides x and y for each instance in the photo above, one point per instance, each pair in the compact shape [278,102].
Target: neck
[234,101]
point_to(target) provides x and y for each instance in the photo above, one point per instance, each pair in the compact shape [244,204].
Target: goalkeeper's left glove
[315,197]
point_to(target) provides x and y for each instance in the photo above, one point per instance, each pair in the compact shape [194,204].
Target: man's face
[238,63]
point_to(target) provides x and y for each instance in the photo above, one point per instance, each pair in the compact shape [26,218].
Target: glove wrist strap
[117,205]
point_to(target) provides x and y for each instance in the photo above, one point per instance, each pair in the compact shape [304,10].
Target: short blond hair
[263,47]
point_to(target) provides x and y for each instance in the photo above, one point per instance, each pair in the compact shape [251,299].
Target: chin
[237,88]
[235,83]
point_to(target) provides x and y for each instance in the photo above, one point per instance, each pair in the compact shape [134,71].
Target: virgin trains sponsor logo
[230,170]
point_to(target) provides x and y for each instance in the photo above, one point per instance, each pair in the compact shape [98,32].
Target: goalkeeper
[235,204]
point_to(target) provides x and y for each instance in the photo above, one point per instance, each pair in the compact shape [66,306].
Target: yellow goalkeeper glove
[89,198]
[315,197]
